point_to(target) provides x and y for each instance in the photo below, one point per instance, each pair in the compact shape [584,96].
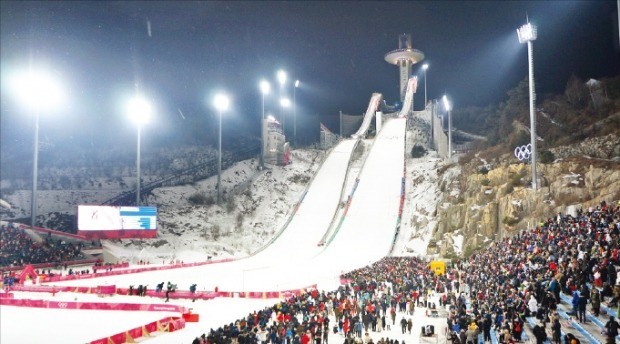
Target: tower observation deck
[404,57]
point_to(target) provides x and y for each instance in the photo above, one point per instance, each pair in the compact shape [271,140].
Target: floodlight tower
[404,57]
[139,110]
[221,103]
[38,91]
[424,68]
[527,34]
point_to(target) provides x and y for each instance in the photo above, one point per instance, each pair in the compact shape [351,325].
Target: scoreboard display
[108,222]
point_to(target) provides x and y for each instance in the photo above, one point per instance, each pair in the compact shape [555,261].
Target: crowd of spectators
[370,301]
[524,275]
[17,248]
[514,278]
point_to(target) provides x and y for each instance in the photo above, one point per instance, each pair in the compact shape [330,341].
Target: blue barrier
[600,324]
[524,336]
[494,339]
[532,322]
[591,317]
[579,328]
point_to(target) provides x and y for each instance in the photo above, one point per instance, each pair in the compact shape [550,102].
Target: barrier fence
[167,324]
[177,294]
[49,265]
[46,278]
[52,304]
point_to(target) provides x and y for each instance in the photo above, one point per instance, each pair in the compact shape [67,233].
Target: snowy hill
[255,206]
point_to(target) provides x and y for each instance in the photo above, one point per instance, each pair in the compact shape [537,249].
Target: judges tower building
[404,57]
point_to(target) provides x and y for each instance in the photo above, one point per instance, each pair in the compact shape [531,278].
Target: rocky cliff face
[492,200]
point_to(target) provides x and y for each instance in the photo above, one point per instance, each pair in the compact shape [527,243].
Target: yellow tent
[438,267]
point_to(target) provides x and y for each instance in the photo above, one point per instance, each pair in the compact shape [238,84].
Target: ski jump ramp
[369,226]
[315,211]
[373,106]
[318,206]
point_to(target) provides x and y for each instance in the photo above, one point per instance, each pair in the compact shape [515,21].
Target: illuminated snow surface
[294,260]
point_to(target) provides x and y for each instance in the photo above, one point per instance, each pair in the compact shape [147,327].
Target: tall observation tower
[404,57]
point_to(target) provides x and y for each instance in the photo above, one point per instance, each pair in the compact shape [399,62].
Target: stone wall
[499,203]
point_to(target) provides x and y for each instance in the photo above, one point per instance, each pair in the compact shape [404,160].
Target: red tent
[27,272]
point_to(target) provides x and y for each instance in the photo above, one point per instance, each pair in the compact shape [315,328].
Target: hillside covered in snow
[256,205]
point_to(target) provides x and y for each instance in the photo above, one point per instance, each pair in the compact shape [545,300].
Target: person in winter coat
[517,329]
[306,337]
[409,325]
[345,326]
[486,327]
[556,330]
[532,305]
[463,336]
[595,301]
[454,338]
[554,288]
[539,334]
[611,330]
[584,295]
[358,329]
[575,303]
[262,335]
[403,325]
[472,334]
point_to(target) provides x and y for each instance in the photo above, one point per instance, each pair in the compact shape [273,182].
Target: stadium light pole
[424,68]
[527,34]
[221,103]
[282,80]
[446,104]
[265,87]
[37,91]
[139,110]
[295,114]
[284,103]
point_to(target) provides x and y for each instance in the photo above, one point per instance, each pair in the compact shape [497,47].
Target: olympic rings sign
[523,152]
[62,305]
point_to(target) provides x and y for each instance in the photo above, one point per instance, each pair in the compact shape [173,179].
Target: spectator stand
[22,246]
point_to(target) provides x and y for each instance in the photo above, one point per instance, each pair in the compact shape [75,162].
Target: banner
[91,305]
[168,324]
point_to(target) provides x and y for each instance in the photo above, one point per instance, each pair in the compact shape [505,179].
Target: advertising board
[108,222]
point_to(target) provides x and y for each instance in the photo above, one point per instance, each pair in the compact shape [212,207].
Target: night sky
[180,53]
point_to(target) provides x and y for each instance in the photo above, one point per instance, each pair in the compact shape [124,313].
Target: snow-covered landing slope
[367,232]
[314,213]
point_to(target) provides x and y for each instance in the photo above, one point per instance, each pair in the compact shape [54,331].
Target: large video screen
[106,222]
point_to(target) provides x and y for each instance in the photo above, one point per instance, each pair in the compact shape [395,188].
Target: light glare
[285,102]
[139,110]
[221,102]
[37,90]
[281,77]
[264,87]
[446,103]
